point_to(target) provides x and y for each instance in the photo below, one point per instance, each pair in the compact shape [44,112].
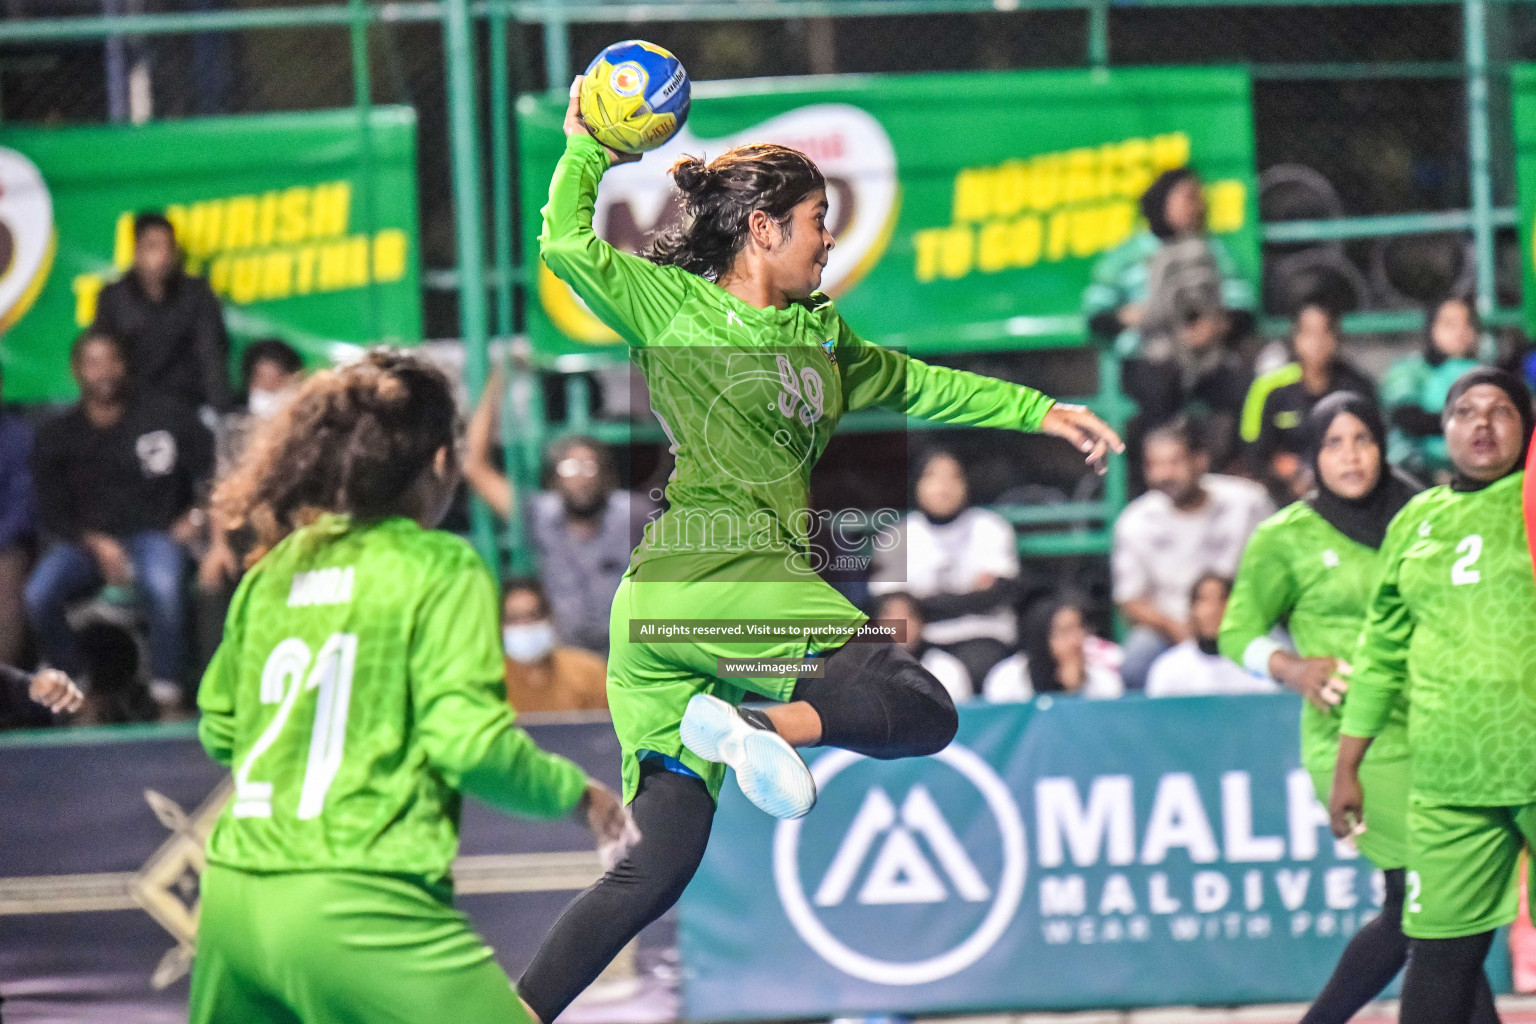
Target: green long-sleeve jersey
[1453,620]
[748,397]
[359,687]
[1298,570]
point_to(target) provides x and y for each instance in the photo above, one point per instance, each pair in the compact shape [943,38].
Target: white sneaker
[768,770]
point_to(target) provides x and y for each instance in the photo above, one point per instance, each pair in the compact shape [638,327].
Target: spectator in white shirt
[1058,655]
[1195,668]
[946,668]
[1189,523]
[962,565]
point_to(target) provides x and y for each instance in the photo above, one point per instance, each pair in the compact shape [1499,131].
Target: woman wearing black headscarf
[1310,568]
[1452,622]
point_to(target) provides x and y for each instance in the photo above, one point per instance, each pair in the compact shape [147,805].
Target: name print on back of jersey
[321,587]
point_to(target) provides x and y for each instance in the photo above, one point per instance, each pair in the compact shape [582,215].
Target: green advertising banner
[1060,855]
[304,224]
[969,209]
[1523,85]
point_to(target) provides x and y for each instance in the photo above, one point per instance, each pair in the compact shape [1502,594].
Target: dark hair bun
[691,174]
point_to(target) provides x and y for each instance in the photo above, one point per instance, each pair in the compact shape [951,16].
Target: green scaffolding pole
[362,98]
[1475,46]
[468,204]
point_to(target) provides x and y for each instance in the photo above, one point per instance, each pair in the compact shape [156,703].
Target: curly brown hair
[719,197]
[352,441]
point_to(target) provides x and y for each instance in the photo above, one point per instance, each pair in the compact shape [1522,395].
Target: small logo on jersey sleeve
[1331,558]
[830,348]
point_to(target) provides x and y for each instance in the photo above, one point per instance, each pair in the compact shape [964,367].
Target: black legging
[875,699]
[1446,982]
[1373,958]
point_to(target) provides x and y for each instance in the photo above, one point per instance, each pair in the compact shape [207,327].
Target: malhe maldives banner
[304,224]
[1066,855]
[968,209]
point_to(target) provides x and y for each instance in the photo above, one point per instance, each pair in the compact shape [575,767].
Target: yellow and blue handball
[634,96]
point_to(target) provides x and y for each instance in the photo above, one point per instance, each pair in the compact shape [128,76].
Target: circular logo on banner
[27,239]
[894,855]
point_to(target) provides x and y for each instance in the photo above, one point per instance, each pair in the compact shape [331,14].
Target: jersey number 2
[1470,549]
[287,675]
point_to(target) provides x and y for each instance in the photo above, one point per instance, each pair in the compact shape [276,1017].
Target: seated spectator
[115,694]
[1195,668]
[1189,523]
[17,526]
[583,529]
[1275,414]
[1058,655]
[1171,303]
[1414,388]
[946,668]
[962,565]
[270,373]
[541,675]
[169,322]
[118,477]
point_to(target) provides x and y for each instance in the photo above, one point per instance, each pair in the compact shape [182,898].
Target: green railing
[487,282]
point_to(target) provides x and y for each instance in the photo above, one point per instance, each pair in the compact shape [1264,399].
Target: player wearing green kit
[1453,621]
[1310,567]
[749,369]
[357,691]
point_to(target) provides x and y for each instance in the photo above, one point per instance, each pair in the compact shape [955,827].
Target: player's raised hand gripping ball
[634,96]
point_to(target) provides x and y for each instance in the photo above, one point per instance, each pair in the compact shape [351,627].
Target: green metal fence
[1391,81]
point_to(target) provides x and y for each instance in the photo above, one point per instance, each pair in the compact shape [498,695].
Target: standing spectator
[1171,303]
[583,529]
[1189,523]
[270,374]
[118,478]
[946,668]
[1275,415]
[1414,389]
[17,525]
[541,675]
[961,563]
[1058,655]
[1195,668]
[169,321]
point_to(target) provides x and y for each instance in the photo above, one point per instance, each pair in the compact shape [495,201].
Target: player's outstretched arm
[51,688]
[873,375]
[634,297]
[1085,431]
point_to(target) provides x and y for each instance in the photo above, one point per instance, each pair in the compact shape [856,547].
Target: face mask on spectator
[528,642]
[265,404]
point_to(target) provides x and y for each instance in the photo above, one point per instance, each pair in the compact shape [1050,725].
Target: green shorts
[1385,839]
[1462,864]
[332,947]
[651,681]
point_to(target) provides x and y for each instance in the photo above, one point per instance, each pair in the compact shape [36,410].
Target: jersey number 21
[292,670]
